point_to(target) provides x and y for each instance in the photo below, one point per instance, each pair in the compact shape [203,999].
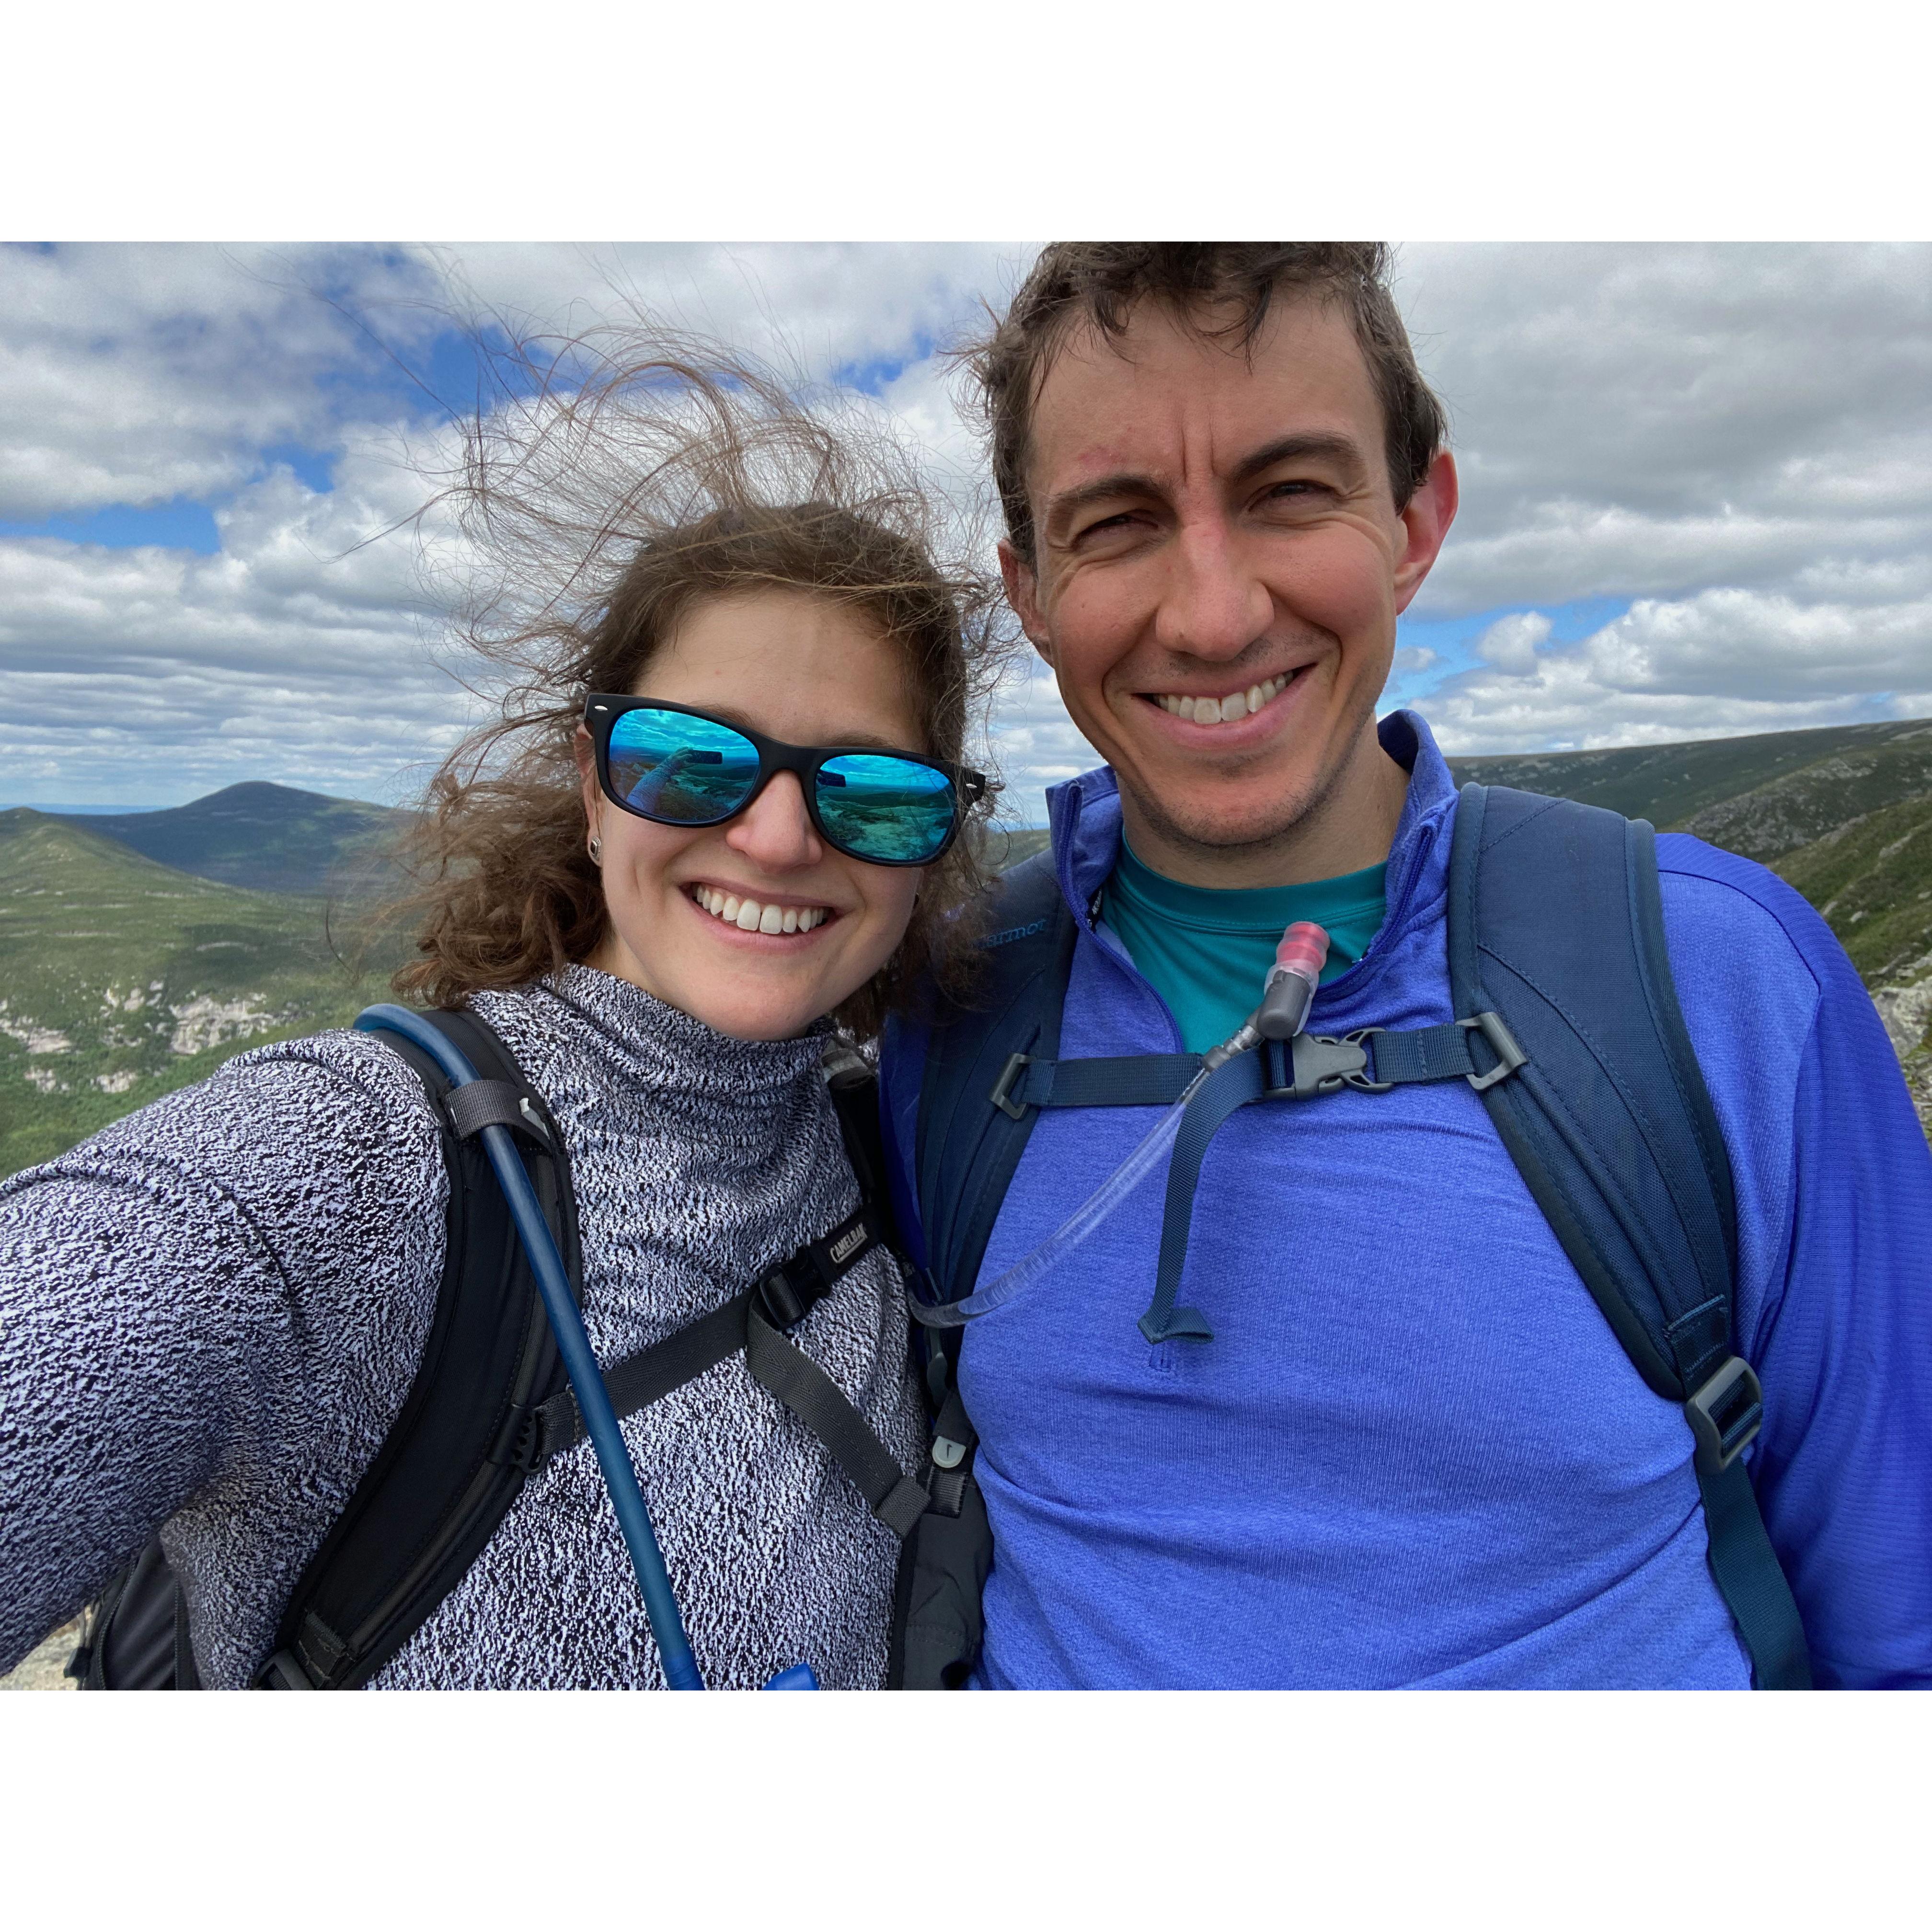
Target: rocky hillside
[121,979]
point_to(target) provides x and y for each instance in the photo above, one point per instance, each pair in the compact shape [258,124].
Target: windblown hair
[1223,289]
[612,483]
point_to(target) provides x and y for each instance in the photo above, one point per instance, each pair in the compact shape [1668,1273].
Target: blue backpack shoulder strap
[1556,925]
[966,1151]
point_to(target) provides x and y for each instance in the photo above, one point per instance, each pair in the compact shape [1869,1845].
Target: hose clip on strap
[1725,1414]
[478,1104]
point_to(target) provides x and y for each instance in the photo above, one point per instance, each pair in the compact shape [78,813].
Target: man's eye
[1119,521]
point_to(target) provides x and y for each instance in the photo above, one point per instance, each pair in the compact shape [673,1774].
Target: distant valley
[139,950]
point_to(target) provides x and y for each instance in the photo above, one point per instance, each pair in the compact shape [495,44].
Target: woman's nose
[775,831]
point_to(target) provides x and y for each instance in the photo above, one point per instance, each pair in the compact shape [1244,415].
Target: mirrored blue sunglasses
[677,767]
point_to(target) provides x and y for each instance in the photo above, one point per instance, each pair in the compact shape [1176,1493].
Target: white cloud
[1726,661]
[1736,438]
[1510,643]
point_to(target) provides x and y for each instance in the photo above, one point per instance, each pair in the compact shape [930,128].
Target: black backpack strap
[1556,926]
[967,1152]
[968,1140]
[450,1468]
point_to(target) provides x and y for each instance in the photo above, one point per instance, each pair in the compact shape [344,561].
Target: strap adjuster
[1502,1043]
[1016,1064]
[1725,1414]
[782,1305]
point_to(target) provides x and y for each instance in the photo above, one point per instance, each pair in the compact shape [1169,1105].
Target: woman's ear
[586,773]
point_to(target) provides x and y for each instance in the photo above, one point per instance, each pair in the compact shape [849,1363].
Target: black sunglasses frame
[601,710]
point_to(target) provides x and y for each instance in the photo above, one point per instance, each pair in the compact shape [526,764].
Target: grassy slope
[121,979]
[1872,879]
[1674,785]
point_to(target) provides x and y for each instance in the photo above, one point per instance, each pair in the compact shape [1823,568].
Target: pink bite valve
[1291,981]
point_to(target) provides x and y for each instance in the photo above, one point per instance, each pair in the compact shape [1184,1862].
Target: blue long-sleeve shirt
[1414,1454]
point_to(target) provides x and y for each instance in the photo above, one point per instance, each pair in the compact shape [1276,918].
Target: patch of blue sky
[180,524]
[877,374]
[314,468]
[1450,642]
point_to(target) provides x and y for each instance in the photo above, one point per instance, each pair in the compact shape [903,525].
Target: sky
[1696,487]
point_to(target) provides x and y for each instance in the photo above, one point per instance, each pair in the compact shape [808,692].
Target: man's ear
[1023,594]
[1426,520]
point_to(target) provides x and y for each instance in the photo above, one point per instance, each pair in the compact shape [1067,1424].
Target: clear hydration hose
[1287,994]
[1081,1223]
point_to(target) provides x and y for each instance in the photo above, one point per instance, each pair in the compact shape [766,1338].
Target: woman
[211,1313]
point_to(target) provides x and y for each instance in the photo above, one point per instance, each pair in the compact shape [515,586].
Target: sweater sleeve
[1834,1297]
[210,1314]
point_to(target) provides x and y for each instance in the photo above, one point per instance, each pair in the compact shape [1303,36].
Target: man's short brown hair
[1224,290]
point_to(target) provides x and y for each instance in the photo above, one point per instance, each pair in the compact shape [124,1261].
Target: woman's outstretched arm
[210,1314]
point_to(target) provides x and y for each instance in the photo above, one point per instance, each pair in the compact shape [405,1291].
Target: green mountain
[268,838]
[137,951]
[121,978]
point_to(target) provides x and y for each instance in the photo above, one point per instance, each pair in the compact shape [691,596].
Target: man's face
[1220,563]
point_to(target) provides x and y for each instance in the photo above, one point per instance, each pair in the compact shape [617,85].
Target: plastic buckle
[779,1302]
[1016,1064]
[1726,1415]
[1502,1043]
[1317,1064]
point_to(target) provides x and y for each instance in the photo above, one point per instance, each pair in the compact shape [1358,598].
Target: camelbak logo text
[847,1244]
[1013,932]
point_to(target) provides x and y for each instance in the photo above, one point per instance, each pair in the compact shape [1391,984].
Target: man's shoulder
[1725,914]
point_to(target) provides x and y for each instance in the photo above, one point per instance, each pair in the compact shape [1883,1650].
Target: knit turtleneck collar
[685,1068]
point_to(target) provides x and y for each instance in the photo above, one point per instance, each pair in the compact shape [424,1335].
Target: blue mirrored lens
[884,808]
[684,771]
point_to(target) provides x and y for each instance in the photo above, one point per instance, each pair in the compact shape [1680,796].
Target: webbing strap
[819,1403]
[1139,1080]
[1746,1571]
[1428,1053]
[1232,1084]
[646,1377]
[790,1290]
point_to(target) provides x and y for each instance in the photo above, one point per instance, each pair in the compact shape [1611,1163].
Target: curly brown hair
[613,483]
[1224,289]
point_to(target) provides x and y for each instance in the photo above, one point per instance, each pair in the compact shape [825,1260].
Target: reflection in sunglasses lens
[686,771]
[885,809]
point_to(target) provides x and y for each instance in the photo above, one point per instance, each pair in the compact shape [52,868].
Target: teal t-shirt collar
[1207,950]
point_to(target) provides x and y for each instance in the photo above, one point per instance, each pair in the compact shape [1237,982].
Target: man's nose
[775,831]
[1214,604]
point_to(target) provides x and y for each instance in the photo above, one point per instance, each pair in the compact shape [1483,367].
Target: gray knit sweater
[210,1315]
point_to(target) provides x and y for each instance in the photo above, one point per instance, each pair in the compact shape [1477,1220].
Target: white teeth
[748,915]
[1219,710]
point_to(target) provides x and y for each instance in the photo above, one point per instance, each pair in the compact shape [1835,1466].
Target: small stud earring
[596,850]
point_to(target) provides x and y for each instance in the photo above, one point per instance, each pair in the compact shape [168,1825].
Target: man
[1414,1451]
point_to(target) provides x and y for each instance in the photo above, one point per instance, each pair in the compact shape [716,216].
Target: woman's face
[797,668]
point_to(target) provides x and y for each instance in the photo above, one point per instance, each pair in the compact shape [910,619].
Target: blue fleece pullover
[1414,1454]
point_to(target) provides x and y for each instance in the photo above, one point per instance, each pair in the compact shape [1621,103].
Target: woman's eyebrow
[729,714]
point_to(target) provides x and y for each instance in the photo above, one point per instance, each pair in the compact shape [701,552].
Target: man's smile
[1224,708]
